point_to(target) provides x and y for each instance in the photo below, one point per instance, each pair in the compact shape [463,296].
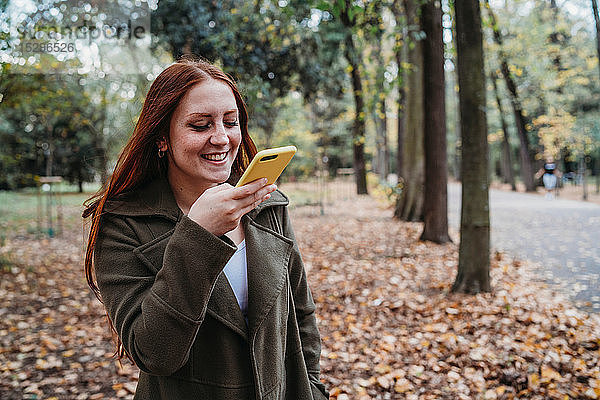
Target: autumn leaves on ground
[390,327]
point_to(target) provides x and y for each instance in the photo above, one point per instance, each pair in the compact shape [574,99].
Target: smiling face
[204,137]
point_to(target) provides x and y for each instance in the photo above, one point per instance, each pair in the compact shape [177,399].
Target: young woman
[203,283]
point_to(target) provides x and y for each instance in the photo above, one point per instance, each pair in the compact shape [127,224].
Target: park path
[561,236]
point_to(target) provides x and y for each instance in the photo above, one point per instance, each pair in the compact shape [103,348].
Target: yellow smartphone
[269,164]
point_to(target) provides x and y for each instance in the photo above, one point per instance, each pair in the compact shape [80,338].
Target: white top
[236,271]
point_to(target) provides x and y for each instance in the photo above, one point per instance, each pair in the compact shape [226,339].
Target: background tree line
[382,86]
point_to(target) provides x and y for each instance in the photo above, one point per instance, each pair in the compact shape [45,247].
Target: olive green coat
[161,280]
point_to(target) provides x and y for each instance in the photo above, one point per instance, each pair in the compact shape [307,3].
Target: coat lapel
[268,255]
[223,306]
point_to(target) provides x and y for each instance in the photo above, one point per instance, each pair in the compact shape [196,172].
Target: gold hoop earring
[161,153]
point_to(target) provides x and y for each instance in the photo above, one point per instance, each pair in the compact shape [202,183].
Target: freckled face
[204,135]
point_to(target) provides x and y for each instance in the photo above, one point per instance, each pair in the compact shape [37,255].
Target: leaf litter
[390,327]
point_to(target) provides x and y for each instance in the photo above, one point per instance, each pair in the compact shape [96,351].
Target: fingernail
[267,196]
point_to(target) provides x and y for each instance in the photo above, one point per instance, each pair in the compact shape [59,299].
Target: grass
[24,212]
[310,192]
[299,196]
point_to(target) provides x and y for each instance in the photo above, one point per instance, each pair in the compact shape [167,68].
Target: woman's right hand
[220,208]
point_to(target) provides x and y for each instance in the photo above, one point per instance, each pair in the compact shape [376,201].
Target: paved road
[562,235]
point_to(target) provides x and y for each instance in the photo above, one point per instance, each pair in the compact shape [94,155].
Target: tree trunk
[358,127]
[454,98]
[380,166]
[474,253]
[400,53]
[409,206]
[381,126]
[401,118]
[378,111]
[597,19]
[269,127]
[400,108]
[596,172]
[556,37]
[435,205]
[583,170]
[507,169]
[520,120]
[524,149]
[49,152]
[386,146]
[382,115]
[96,129]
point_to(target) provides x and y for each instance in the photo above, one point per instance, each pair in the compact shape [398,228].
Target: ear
[162,144]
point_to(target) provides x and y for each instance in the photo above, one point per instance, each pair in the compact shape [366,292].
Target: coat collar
[153,198]
[156,198]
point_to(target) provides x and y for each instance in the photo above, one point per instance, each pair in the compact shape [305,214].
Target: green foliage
[75,109]
[552,58]
[277,51]
[256,42]
[288,57]
[44,124]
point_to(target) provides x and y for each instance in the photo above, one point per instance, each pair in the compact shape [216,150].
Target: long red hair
[139,163]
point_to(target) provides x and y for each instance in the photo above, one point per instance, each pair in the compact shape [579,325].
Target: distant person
[549,174]
[203,282]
